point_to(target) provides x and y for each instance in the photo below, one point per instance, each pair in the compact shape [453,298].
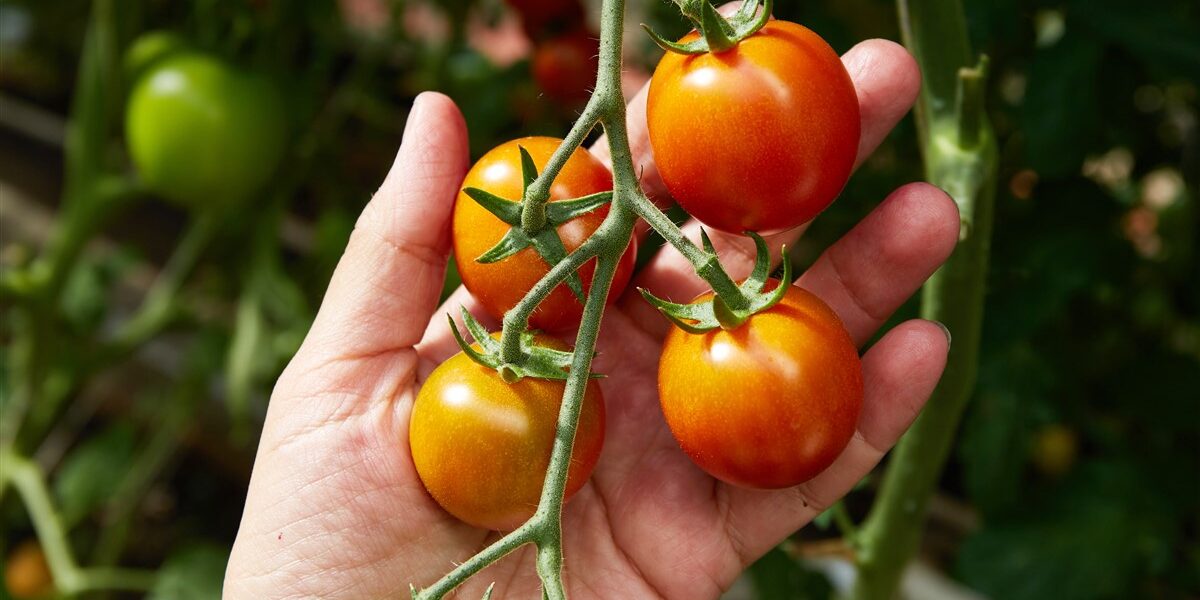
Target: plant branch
[960,155]
[69,578]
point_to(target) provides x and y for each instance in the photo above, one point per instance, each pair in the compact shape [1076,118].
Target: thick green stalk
[69,578]
[960,154]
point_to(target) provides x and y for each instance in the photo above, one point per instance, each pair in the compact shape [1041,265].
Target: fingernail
[946,331]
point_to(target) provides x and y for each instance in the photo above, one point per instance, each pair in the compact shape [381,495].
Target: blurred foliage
[1080,451]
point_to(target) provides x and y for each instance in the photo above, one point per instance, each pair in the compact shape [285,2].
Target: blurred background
[151,294]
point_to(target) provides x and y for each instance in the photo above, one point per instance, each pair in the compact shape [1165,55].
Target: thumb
[387,282]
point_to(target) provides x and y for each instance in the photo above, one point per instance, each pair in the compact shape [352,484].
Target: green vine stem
[606,245]
[69,577]
[960,153]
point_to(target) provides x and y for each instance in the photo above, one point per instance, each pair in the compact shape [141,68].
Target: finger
[873,269]
[899,374]
[865,276]
[886,80]
[388,280]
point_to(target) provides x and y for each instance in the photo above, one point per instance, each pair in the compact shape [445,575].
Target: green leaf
[193,573]
[780,577]
[1089,539]
[93,471]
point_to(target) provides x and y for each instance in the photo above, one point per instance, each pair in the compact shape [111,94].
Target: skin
[499,286]
[482,446]
[769,404]
[778,112]
[202,132]
[335,507]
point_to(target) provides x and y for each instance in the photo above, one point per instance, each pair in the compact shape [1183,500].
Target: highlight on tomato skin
[482,446]
[769,404]
[501,285]
[761,137]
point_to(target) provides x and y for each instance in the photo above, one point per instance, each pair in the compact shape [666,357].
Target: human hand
[335,507]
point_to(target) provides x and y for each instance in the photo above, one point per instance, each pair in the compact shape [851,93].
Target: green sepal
[562,211]
[702,317]
[551,248]
[487,594]
[536,361]
[509,212]
[717,33]
[529,170]
[513,242]
[412,589]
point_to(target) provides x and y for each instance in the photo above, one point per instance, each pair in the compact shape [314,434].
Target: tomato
[202,132]
[565,66]
[769,404]
[542,17]
[761,137]
[481,446]
[26,574]
[501,285]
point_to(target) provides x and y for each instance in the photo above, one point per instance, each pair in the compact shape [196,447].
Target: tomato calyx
[536,361]
[702,317]
[543,237]
[717,33]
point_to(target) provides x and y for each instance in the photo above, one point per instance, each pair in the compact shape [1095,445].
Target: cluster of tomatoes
[757,137]
[565,49]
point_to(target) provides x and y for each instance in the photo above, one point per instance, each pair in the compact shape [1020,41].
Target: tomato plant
[202,132]
[760,137]
[500,285]
[768,404]
[565,66]
[481,446]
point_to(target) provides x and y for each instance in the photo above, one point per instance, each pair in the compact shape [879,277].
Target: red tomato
[565,67]
[761,137]
[501,285]
[542,17]
[769,404]
[481,446]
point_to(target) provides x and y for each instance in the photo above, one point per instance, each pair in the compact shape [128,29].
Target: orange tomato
[769,404]
[481,446]
[761,137]
[501,285]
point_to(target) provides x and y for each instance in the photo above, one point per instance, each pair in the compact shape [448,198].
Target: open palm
[335,507]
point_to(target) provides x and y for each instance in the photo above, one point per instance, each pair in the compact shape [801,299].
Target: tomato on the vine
[501,285]
[202,132]
[565,66]
[481,446]
[761,137]
[768,404]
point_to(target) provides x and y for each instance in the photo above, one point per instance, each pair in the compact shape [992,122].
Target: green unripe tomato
[203,133]
[149,48]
